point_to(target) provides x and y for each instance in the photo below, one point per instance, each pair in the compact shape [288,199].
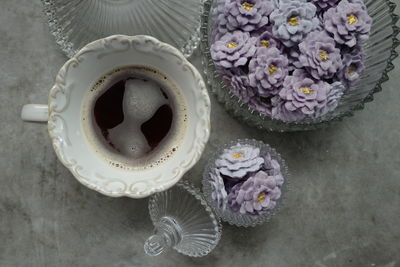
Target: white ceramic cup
[65,104]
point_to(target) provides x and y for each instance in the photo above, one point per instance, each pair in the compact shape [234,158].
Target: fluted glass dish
[184,221]
[74,23]
[380,52]
[236,218]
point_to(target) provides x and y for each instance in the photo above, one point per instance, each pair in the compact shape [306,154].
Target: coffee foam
[168,146]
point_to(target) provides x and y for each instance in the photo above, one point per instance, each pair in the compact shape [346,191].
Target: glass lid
[74,23]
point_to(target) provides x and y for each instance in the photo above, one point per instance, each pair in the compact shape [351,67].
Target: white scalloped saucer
[65,111]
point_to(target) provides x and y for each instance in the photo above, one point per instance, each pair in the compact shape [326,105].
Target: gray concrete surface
[343,210]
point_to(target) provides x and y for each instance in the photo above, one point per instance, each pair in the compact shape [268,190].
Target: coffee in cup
[127,115]
[134,117]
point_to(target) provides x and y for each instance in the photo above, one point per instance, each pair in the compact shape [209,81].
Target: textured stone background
[343,210]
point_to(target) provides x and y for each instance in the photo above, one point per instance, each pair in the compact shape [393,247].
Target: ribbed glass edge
[238,219]
[187,186]
[67,47]
[210,75]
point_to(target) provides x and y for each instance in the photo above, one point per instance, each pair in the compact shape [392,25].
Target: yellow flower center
[237,155]
[307,90]
[323,55]
[351,71]
[261,197]
[248,6]
[294,21]
[352,19]
[272,69]
[232,45]
[264,43]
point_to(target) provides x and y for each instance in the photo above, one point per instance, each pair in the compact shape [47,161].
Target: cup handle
[35,112]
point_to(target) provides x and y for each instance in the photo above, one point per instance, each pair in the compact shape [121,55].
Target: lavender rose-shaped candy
[256,195]
[319,55]
[323,5]
[219,193]
[293,20]
[218,21]
[233,49]
[266,39]
[353,66]
[241,88]
[348,22]
[332,100]
[301,93]
[280,112]
[267,70]
[246,15]
[271,166]
[239,160]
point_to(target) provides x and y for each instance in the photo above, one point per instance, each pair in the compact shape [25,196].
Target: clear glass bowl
[74,23]
[184,221]
[235,218]
[380,52]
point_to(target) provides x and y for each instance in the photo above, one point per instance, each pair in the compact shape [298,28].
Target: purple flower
[267,40]
[353,66]
[246,15]
[280,112]
[241,88]
[293,20]
[271,166]
[219,193]
[267,70]
[293,55]
[233,49]
[217,14]
[319,55]
[239,160]
[335,94]
[256,195]
[324,4]
[302,94]
[348,22]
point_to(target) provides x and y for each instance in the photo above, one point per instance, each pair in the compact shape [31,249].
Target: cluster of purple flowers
[290,59]
[246,180]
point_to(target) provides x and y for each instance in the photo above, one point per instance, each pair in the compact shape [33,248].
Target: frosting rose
[239,160]
[267,70]
[233,49]
[293,20]
[256,195]
[348,23]
[319,55]
[246,15]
